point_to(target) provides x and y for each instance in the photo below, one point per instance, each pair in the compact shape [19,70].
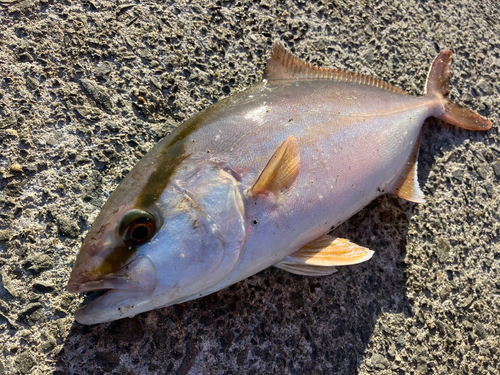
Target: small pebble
[16,168]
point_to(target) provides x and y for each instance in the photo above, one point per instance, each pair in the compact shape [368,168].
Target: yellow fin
[284,65]
[281,171]
[438,84]
[331,251]
[320,257]
[406,186]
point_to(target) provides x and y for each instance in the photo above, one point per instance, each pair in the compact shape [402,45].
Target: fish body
[258,179]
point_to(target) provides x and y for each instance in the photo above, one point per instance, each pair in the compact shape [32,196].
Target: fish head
[184,241]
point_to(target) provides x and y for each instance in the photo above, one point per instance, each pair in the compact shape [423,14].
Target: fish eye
[137,227]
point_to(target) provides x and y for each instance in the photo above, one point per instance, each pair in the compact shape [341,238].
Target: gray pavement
[72,124]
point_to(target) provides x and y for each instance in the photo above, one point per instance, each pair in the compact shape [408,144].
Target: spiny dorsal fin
[284,65]
[320,257]
[406,186]
[281,171]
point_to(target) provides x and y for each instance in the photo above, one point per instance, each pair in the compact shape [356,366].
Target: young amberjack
[259,179]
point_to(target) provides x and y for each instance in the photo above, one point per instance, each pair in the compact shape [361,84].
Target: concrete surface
[72,124]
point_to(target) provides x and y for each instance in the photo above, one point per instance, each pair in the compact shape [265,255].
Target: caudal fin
[438,84]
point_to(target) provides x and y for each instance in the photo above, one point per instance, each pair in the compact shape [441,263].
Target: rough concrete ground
[72,124]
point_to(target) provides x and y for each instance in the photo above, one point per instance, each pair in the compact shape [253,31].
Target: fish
[259,179]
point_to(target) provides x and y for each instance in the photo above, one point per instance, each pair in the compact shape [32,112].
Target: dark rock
[8,120]
[93,191]
[458,173]
[43,287]
[379,362]
[24,362]
[368,55]
[29,311]
[445,292]
[5,234]
[25,57]
[443,249]
[422,357]
[103,69]
[467,324]
[364,333]
[490,189]
[467,301]
[482,171]
[97,94]
[146,54]
[48,342]
[120,9]
[112,126]
[485,86]
[81,159]
[480,331]
[39,262]
[189,359]
[68,227]
[14,189]
[90,114]
[32,83]
[127,330]
[107,360]
[226,339]
[496,169]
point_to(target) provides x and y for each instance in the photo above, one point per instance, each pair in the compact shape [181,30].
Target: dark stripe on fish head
[173,151]
[167,165]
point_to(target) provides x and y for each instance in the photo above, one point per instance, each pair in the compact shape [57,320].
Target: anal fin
[406,185]
[320,257]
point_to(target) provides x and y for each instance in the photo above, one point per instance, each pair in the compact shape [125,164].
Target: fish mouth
[139,275]
[135,280]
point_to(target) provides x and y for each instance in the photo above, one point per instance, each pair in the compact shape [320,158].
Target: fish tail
[438,84]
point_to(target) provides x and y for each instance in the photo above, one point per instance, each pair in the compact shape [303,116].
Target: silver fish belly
[255,180]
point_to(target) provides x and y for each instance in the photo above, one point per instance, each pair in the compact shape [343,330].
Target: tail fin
[438,84]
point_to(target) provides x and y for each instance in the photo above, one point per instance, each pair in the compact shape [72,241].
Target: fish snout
[139,275]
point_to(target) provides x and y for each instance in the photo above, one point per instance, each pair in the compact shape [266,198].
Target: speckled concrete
[72,125]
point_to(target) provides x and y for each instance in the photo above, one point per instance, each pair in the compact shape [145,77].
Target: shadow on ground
[273,322]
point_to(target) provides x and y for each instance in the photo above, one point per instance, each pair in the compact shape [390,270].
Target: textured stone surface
[87,88]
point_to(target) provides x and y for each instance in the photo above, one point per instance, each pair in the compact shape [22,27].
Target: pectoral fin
[281,171]
[320,257]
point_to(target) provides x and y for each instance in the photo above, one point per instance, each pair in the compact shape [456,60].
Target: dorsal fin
[284,65]
[406,185]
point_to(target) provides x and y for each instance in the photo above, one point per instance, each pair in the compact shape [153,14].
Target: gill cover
[204,229]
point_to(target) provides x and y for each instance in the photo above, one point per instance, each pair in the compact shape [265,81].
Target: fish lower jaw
[113,305]
[119,304]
